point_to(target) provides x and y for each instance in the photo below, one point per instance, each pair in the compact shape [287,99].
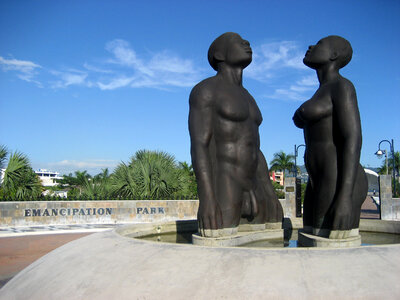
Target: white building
[2,175]
[277,176]
[48,178]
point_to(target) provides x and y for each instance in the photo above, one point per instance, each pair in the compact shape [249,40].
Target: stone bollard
[389,206]
[289,204]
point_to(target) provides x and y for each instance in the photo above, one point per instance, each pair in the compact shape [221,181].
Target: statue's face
[318,54]
[238,52]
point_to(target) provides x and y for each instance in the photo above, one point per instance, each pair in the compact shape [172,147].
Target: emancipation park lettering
[86,211]
[67,212]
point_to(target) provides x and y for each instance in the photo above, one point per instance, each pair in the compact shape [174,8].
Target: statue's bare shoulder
[203,93]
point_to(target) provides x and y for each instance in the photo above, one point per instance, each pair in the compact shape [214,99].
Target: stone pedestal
[390,207]
[310,240]
[241,238]
[289,203]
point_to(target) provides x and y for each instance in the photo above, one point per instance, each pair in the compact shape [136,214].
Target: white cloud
[96,69]
[168,62]
[298,91]
[26,69]
[18,65]
[87,164]
[272,58]
[93,166]
[126,56]
[162,69]
[115,83]
[273,64]
[71,77]
[280,65]
[310,81]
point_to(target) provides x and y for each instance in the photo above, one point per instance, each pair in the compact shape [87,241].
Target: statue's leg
[229,197]
[324,188]
[308,205]
[270,209]
[360,192]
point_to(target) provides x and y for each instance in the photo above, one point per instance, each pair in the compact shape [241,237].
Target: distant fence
[87,198]
[28,213]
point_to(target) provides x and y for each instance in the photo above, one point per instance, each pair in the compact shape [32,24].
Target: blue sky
[85,84]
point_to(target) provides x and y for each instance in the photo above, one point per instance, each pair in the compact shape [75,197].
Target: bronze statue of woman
[337,184]
[231,171]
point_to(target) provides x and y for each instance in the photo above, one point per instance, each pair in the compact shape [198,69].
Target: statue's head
[332,49]
[231,49]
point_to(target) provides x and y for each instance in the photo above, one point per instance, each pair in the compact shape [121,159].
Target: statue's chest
[318,107]
[238,107]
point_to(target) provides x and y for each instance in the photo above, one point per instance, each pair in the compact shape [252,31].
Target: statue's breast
[318,107]
[255,112]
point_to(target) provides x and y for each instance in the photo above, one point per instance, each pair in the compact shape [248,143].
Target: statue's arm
[275,211]
[348,130]
[201,131]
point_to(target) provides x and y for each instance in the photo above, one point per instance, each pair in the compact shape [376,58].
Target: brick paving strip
[18,252]
[369,209]
[21,246]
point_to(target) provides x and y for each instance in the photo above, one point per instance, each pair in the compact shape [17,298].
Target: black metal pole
[394,170]
[295,161]
[391,144]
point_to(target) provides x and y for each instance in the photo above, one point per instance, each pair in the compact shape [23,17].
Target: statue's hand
[210,218]
[341,214]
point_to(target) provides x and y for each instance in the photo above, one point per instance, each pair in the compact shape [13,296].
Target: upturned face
[238,52]
[319,54]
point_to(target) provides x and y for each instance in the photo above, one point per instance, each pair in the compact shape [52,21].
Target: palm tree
[3,155]
[187,179]
[282,162]
[389,170]
[156,173]
[382,169]
[75,182]
[150,174]
[123,183]
[19,181]
[98,186]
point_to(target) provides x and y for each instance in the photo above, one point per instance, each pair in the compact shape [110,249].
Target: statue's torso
[317,114]
[235,129]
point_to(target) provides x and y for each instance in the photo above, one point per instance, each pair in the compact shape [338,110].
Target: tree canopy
[282,162]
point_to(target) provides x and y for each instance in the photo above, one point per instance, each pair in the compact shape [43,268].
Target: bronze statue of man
[337,184]
[232,174]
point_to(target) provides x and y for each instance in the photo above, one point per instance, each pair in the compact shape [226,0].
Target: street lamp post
[379,153]
[296,153]
[297,181]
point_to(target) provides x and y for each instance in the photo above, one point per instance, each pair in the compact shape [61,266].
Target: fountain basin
[113,265]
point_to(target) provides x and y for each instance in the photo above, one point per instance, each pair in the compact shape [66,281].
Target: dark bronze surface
[232,173]
[332,132]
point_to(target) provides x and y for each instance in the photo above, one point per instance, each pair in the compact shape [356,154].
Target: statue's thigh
[308,205]
[229,197]
[323,194]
